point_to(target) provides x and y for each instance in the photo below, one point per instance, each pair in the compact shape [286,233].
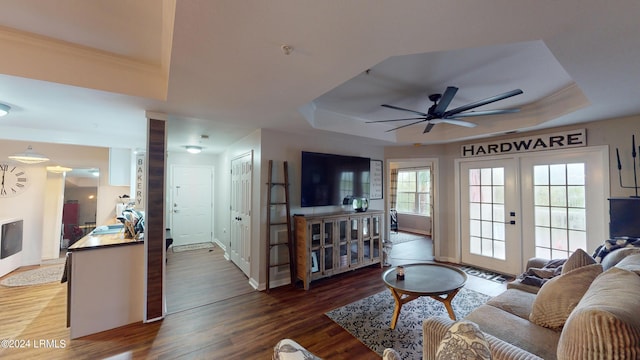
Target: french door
[545,204]
[490,211]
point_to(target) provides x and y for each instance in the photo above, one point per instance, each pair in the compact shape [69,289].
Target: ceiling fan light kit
[4,109]
[438,112]
[29,157]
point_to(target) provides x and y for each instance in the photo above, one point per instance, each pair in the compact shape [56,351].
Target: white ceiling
[86,72]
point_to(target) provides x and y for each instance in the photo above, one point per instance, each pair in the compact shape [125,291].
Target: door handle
[176,210]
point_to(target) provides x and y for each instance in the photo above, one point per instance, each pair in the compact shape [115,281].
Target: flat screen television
[10,238]
[328,178]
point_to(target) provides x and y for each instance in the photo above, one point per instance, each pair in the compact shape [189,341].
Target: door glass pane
[560,213]
[487,212]
[558,196]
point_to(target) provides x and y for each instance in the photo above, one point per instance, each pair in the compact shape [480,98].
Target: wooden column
[155,218]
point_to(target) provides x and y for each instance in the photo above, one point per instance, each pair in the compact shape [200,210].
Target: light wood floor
[243,326]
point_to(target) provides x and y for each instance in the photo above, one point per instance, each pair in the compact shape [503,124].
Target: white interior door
[490,229]
[240,229]
[192,204]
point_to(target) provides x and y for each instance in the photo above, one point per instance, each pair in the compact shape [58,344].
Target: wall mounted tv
[10,238]
[327,178]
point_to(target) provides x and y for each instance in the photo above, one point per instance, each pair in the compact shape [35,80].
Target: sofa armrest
[536,262]
[502,350]
[435,328]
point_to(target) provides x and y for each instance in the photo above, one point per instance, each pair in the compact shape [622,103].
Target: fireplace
[10,238]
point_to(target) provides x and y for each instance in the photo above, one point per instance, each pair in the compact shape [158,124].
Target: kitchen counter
[105,281]
[108,235]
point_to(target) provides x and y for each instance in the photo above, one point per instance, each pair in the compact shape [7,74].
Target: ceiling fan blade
[479,103]
[454,122]
[403,109]
[445,100]
[428,128]
[380,121]
[486,112]
[400,127]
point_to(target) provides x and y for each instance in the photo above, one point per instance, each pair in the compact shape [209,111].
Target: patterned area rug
[368,320]
[42,275]
[204,245]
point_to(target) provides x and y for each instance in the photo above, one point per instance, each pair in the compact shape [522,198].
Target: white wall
[614,133]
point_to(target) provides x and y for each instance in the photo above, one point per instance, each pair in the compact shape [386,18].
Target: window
[414,191]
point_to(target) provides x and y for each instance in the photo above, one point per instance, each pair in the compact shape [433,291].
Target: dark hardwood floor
[244,325]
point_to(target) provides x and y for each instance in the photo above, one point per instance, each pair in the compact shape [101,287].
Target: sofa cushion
[560,295]
[514,301]
[463,340]
[631,263]
[616,256]
[579,258]
[605,324]
[515,330]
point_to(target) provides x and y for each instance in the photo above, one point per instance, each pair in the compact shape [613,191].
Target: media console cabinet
[333,243]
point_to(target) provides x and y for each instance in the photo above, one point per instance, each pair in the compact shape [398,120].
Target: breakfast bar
[105,281]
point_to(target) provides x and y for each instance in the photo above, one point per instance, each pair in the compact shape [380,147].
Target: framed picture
[376,180]
[314,262]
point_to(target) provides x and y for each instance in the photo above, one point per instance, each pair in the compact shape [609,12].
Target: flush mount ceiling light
[4,109]
[29,157]
[58,169]
[193,149]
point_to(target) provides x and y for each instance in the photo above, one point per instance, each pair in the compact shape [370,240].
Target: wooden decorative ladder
[279,224]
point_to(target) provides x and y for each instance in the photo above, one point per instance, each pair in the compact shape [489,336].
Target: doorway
[545,204]
[240,229]
[192,205]
[79,205]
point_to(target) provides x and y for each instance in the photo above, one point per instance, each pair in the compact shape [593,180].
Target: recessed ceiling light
[193,149]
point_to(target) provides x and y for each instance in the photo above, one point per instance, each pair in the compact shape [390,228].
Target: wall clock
[13,180]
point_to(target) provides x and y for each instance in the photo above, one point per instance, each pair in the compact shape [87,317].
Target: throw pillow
[463,340]
[616,256]
[605,324]
[287,349]
[578,259]
[631,263]
[390,354]
[560,295]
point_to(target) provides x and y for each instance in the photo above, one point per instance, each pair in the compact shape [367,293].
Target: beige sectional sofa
[589,311]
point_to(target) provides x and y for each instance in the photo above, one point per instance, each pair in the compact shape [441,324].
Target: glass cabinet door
[375,236]
[366,239]
[315,232]
[343,243]
[354,242]
[327,245]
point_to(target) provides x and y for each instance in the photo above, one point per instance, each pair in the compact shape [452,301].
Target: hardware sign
[555,141]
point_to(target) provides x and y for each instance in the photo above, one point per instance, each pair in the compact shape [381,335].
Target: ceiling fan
[438,112]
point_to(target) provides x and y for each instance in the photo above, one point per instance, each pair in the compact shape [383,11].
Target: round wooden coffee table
[440,282]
